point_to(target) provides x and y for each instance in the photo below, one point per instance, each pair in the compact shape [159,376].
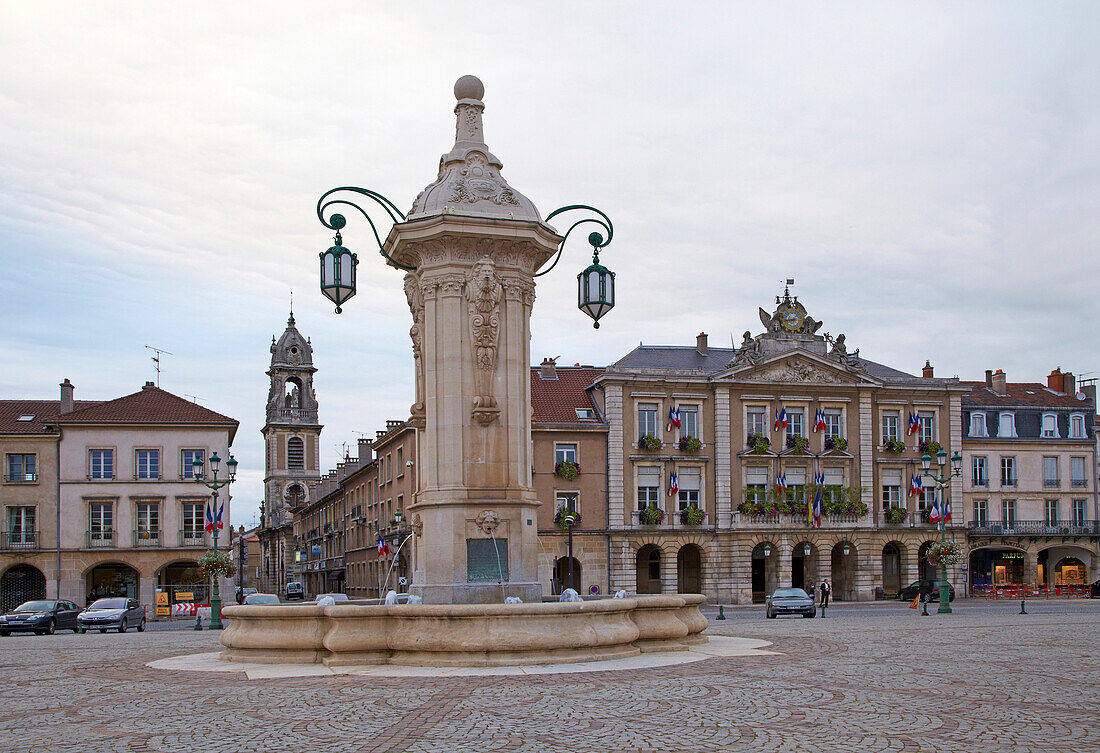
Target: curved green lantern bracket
[596,239]
[337,221]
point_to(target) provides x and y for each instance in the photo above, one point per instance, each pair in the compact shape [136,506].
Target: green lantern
[596,286]
[338,269]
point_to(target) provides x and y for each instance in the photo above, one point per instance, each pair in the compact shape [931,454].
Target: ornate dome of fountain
[469,180]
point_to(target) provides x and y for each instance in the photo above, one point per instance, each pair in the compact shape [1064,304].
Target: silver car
[115,613]
[789,601]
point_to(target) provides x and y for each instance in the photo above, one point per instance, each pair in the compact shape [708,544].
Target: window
[832,424]
[981,512]
[21,525]
[1052,512]
[926,498]
[400,462]
[1080,516]
[756,484]
[1050,425]
[689,481]
[977,425]
[1006,426]
[148,520]
[567,501]
[295,453]
[101,463]
[1077,472]
[585,413]
[1077,426]
[1008,471]
[101,523]
[187,462]
[647,420]
[890,425]
[927,426]
[979,471]
[564,452]
[689,421]
[22,468]
[794,423]
[796,485]
[147,464]
[192,518]
[754,420]
[834,484]
[649,487]
[1050,472]
[1008,512]
[891,489]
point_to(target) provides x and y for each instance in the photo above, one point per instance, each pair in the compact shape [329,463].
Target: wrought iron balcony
[102,539]
[146,538]
[19,540]
[21,478]
[191,537]
[1034,528]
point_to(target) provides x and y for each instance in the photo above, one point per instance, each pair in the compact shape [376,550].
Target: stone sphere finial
[469,87]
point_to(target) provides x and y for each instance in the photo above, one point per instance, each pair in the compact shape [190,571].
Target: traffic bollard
[1023,610]
[721,613]
[198,621]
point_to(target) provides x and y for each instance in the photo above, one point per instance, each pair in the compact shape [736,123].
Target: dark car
[922,587]
[1094,590]
[43,617]
[789,601]
[117,613]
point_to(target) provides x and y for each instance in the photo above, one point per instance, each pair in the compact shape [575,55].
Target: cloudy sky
[928,173]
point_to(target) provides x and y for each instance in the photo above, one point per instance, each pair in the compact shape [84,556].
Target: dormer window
[1077,426]
[977,425]
[1050,426]
[1007,425]
[586,413]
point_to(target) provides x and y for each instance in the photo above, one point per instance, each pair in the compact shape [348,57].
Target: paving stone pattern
[976,682]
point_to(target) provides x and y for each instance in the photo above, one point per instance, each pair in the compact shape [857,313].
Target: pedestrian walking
[826,591]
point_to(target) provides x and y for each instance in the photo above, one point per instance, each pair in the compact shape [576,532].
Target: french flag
[914,423]
[209,524]
[934,514]
[673,419]
[781,483]
[819,422]
[946,509]
[673,484]
[916,486]
[383,550]
[781,419]
[218,520]
[815,509]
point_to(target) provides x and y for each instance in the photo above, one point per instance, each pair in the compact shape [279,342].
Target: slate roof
[554,401]
[1029,394]
[688,358]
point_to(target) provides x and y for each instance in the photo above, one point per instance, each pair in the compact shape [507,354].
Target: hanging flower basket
[563,518]
[690,445]
[566,469]
[216,564]
[649,442]
[896,515]
[895,446]
[944,553]
[692,516]
[652,516]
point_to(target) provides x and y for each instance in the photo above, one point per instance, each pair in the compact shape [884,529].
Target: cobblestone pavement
[963,682]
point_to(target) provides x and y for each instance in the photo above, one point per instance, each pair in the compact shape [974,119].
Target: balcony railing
[1079,483]
[1050,483]
[193,538]
[1034,528]
[101,539]
[19,540]
[21,478]
[146,538]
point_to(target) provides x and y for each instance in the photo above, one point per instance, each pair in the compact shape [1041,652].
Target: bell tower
[291,458]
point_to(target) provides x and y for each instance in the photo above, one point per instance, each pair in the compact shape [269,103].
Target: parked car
[1094,590]
[334,597]
[258,598]
[116,612]
[916,588]
[42,617]
[243,592]
[295,590]
[789,601]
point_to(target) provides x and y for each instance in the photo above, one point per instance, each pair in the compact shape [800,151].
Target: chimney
[701,343]
[365,448]
[989,378]
[1055,381]
[1069,383]
[1000,382]
[548,369]
[67,396]
[927,373]
[149,386]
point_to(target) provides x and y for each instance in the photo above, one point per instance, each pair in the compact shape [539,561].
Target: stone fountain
[472,244]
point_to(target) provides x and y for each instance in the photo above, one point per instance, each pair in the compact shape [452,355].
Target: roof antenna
[195,399]
[156,359]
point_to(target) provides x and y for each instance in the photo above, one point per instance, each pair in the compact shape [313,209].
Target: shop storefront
[105,581]
[997,567]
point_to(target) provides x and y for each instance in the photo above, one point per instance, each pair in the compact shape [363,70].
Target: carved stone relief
[487,522]
[415,296]
[484,290]
[795,370]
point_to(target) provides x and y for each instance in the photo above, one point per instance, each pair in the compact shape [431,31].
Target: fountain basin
[462,635]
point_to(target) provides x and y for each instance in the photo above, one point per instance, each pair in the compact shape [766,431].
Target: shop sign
[1010,556]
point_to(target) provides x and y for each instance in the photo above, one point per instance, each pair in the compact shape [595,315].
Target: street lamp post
[942,479]
[214,485]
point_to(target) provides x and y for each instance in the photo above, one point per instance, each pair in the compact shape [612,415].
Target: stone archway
[925,569]
[765,570]
[689,569]
[21,583]
[112,579]
[843,569]
[561,580]
[648,563]
[803,565]
[891,568]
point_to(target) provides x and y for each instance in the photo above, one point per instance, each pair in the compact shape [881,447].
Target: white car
[334,597]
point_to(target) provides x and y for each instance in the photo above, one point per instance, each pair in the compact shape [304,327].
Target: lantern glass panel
[328,269]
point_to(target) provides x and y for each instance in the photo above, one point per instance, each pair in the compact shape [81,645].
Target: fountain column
[474,243]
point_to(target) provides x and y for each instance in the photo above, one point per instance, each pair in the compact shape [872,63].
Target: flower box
[566,519]
[692,516]
[690,445]
[651,516]
[567,469]
[895,446]
[896,515]
[649,442]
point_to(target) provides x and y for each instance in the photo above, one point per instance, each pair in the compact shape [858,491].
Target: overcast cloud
[929,173]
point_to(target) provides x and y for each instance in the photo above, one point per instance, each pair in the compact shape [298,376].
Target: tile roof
[554,401]
[688,358]
[1023,394]
[148,405]
[45,412]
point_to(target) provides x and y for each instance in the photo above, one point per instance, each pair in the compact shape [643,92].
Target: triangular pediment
[798,367]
